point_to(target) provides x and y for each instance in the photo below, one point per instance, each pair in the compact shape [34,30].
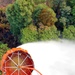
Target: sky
[52,57]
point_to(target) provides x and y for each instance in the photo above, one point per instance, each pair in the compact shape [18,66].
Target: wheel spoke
[24,72]
[18,58]
[10,67]
[12,61]
[24,60]
[13,72]
[26,66]
[18,72]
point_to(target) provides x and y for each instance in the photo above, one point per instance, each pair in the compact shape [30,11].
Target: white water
[52,57]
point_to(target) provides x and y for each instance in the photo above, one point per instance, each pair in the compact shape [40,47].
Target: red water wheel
[17,62]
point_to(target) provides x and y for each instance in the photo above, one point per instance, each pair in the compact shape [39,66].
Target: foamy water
[52,57]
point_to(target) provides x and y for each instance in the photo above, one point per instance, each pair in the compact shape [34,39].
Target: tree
[73,11]
[49,33]
[29,34]
[64,16]
[73,16]
[19,15]
[47,2]
[39,1]
[47,17]
[3,50]
[70,3]
[44,14]
[69,33]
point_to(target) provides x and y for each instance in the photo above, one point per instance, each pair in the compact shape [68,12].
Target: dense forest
[23,21]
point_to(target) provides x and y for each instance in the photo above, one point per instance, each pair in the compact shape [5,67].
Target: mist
[52,57]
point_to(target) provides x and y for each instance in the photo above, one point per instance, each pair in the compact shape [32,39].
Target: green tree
[73,16]
[47,2]
[29,34]
[49,33]
[73,11]
[3,50]
[65,17]
[57,4]
[19,14]
[39,1]
[70,3]
[69,33]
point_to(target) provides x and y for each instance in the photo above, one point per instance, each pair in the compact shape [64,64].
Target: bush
[69,33]
[19,15]
[29,34]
